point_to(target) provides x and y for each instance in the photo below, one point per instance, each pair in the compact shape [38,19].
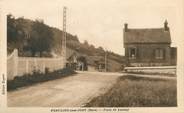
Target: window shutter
[164,54]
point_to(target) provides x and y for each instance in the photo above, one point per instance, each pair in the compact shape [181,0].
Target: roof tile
[156,35]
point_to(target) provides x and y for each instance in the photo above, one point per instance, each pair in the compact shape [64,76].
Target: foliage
[41,38]
[86,43]
[11,28]
[37,77]
[26,35]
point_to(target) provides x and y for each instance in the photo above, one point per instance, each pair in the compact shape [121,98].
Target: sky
[100,22]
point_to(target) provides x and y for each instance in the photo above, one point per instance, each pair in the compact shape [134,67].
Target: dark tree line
[41,38]
[35,37]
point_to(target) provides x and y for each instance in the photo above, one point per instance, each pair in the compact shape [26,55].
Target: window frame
[159,53]
[130,53]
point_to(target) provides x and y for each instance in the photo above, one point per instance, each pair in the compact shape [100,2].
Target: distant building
[149,47]
[99,63]
[77,62]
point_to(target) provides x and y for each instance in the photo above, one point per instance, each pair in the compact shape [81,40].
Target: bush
[37,77]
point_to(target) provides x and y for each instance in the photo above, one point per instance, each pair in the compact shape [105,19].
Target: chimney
[126,27]
[166,25]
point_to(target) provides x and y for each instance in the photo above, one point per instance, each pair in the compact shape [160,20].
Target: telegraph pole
[64,35]
[105,61]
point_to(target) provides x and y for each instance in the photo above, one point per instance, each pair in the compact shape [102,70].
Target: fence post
[35,64]
[15,59]
[27,66]
[43,66]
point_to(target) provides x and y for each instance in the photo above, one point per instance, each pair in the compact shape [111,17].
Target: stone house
[149,47]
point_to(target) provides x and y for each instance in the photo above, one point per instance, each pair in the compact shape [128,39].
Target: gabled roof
[156,35]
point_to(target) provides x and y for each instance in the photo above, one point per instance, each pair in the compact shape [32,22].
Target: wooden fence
[18,66]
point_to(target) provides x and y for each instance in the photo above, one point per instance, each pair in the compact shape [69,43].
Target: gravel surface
[72,91]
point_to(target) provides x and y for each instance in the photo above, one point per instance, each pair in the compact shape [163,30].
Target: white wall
[18,66]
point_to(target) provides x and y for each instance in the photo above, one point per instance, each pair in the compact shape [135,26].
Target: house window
[132,53]
[159,54]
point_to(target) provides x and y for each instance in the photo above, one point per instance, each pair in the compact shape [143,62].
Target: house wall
[173,56]
[146,55]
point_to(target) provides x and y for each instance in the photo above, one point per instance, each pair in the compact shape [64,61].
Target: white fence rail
[18,66]
[159,69]
[156,67]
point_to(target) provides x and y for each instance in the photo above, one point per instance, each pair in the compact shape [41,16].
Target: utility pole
[64,35]
[105,61]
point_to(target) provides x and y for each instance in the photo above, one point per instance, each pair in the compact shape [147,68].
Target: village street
[73,91]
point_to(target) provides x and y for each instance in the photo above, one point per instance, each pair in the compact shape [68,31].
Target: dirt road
[73,91]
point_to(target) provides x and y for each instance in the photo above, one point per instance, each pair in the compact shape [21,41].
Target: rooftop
[148,35]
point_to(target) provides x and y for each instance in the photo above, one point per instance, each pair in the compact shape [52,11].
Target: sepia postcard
[60,56]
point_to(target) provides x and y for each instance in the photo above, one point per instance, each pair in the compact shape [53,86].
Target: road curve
[72,91]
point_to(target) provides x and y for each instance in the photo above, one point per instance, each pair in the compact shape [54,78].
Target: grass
[37,77]
[131,91]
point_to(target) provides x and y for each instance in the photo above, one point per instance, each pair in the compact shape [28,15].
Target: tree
[15,28]
[11,31]
[41,38]
[100,48]
[86,43]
